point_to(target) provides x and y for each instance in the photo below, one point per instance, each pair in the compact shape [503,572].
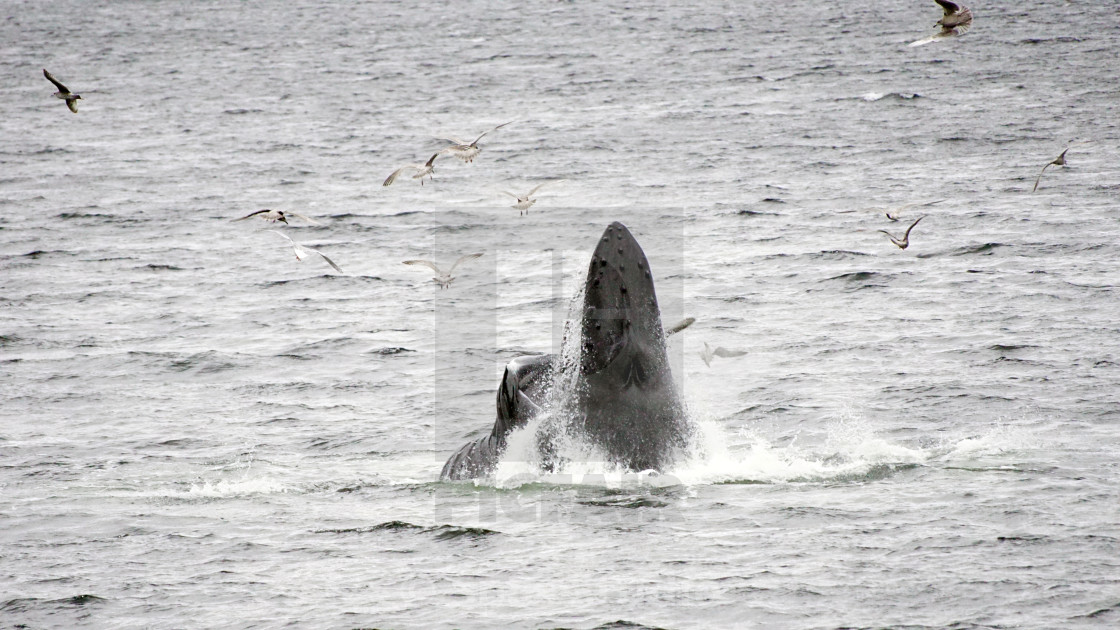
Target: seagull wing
[298,249]
[510,194]
[61,88]
[397,173]
[932,38]
[681,325]
[305,218]
[907,235]
[72,104]
[253,214]
[949,7]
[1039,178]
[706,356]
[427,263]
[489,130]
[918,204]
[301,252]
[539,186]
[329,261]
[463,259]
[724,352]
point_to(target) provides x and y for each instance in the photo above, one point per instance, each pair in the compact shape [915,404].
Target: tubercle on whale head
[621,328]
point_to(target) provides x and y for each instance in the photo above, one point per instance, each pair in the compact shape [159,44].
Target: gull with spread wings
[443,278]
[272,216]
[64,92]
[524,202]
[302,252]
[903,242]
[956,21]
[708,353]
[421,171]
[467,151]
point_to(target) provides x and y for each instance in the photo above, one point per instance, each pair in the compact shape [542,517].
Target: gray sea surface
[197,430]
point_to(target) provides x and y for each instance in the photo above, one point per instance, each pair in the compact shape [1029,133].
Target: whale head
[628,403]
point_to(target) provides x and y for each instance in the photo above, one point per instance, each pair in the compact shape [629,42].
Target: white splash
[226,488]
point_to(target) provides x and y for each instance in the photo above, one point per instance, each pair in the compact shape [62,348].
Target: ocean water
[198,430]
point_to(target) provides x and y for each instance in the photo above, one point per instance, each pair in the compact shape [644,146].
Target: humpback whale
[614,390]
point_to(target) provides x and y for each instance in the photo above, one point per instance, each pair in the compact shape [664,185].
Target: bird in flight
[1058,161]
[443,278]
[679,326]
[894,214]
[64,92]
[467,151]
[956,21]
[526,201]
[302,251]
[422,171]
[708,353]
[903,242]
[272,216]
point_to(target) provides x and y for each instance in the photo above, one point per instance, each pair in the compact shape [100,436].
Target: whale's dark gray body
[624,400]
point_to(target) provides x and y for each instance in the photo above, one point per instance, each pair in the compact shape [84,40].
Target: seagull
[272,216]
[681,325]
[904,242]
[466,151]
[421,171]
[708,353]
[897,211]
[956,21]
[524,202]
[302,252]
[1058,161]
[443,279]
[64,92]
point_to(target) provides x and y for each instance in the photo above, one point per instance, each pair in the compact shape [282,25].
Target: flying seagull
[272,216]
[526,201]
[681,325]
[422,170]
[302,252]
[1058,161]
[64,92]
[903,242]
[467,151]
[443,279]
[708,353]
[956,21]
[894,213]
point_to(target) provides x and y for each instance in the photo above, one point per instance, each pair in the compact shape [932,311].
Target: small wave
[623,624]
[836,254]
[1051,40]
[855,276]
[986,248]
[871,97]
[441,532]
[390,350]
[628,502]
[1101,613]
